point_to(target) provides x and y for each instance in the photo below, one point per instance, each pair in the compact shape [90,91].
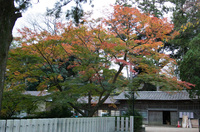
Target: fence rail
[124,124]
[94,124]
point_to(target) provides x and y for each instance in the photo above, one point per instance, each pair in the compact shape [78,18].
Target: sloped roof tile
[109,100]
[156,95]
[36,93]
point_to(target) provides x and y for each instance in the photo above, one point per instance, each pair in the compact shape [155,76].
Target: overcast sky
[40,8]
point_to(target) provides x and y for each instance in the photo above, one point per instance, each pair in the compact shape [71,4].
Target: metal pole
[133,104]
[199,124]
[131,80]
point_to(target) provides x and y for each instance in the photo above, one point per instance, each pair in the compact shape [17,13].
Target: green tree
[15,102]
[185,46]
[190,66]
[38,67]
[10,11]
[22,71]
[56,106]
[94,47]
[153,7]
[8,16]
[186,20]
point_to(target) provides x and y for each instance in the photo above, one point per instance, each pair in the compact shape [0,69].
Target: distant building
[161,107]
[42,106]
[156,107]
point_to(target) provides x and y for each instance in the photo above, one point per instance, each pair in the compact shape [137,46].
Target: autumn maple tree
[126,37]
[11,10]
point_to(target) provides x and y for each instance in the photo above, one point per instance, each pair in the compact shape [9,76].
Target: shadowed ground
[169,129]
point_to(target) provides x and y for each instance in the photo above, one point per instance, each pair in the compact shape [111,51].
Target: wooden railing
[124,124]
[93,124]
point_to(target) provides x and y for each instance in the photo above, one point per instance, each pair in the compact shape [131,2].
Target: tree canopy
[15,102]
[78,60]
[190,66]
[185,17]
[10,11]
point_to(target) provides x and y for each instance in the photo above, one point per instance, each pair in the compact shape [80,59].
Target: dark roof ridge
[156,95]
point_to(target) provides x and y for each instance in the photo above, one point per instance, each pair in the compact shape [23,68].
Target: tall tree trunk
[8,17]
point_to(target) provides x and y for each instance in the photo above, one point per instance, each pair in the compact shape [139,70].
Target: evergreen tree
[190,66]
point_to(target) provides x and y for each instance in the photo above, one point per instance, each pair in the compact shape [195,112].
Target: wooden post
[118,125]
[16,126]
[23,125]
[2,125]
[55,122]
[131,123]
[122,124]
[9,127]
[126,124]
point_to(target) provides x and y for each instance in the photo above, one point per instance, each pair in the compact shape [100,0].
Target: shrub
[55,112]
[137,123]
[137,120]
[14,102]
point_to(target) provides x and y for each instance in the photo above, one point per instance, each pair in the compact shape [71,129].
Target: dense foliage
[77,61]
[185,17]
[54,112]
[190,66]
[15,102]
[10,11]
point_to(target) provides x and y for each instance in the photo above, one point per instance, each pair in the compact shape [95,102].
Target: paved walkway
[169,129]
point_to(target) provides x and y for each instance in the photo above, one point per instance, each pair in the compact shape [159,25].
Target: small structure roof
[140,95]
[156,95]
[37,93]
[109,100]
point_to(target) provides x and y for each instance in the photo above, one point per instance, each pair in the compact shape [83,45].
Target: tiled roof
[140,95]
[155,95]
[109,100]
[37,93]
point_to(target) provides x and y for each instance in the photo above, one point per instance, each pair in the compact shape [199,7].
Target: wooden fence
[94,124]
[124,124]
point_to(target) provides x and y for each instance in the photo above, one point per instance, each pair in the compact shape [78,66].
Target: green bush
[137,123]
[14,102]
[137,119]
[55,112]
